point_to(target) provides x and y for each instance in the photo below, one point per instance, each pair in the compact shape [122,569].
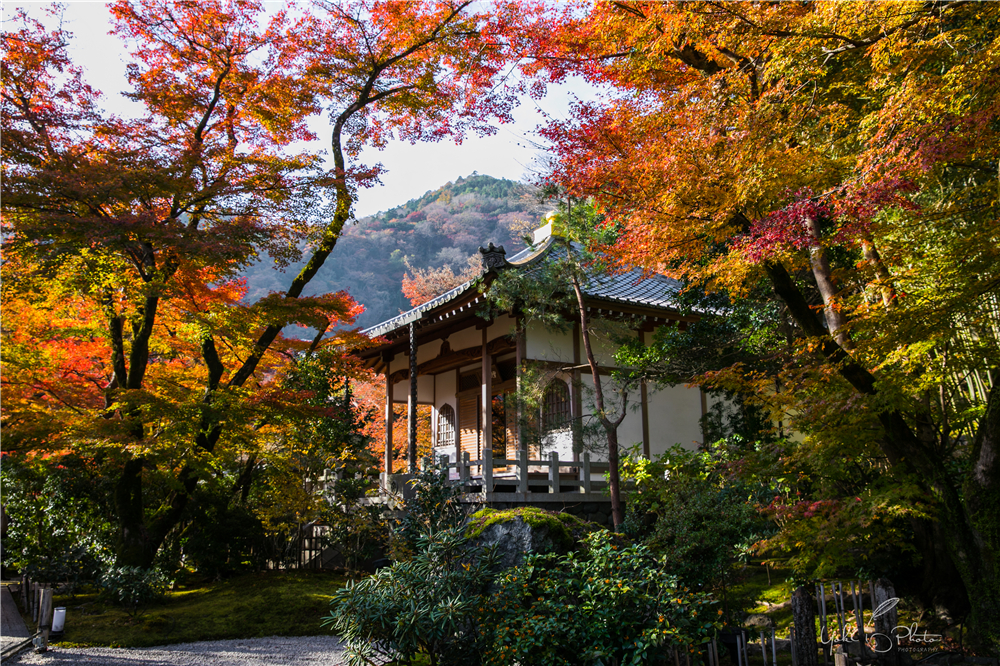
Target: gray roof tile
[631,287]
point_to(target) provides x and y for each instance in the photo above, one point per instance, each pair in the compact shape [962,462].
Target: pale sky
[411,169]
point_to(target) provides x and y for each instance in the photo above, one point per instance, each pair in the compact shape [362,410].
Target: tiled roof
[631,287]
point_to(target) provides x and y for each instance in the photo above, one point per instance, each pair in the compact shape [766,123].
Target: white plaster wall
[674,414]
[427,351]
[544,345]
[445,390]
[465,338]
[560,441]
[630,431]
[501,326]
[425,390]
[604,349]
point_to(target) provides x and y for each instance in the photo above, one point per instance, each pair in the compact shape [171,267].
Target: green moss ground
[287,603]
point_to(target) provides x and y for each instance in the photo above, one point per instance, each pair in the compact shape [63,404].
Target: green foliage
[333,441]
[434,507]
[687,509]
[132,588]
[59,529]
[426,604]
[222,539]
[611,604]
[608,604]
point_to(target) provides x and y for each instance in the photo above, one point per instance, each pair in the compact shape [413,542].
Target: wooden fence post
[487,470]
[553,471]
[586,473]
[45,619]
[859,610]
[803,620]
[522,471]
[884,602]
[839,656]
[824,629]
[464,469]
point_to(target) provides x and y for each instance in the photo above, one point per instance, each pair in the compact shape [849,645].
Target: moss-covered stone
[515,532]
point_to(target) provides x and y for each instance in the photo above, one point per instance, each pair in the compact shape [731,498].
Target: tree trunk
[610,427]
[614,480]
[134,548]
[981,567]
[836,322]
[804,624]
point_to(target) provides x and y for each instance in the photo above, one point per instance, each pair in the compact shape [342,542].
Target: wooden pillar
[411,414]
[487,428]
[389,414]
[519,352]
[643,399]
[576,396]
[458,416]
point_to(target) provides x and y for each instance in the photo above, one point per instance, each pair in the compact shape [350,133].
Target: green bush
[132,588]
[221,540]
[60,521]
[427,604]
[434,507]
[613,604]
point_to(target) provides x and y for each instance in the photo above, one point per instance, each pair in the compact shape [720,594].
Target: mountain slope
[443,227]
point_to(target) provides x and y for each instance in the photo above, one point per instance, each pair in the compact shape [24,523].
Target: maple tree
[124,237]
[423,284]
[843,156]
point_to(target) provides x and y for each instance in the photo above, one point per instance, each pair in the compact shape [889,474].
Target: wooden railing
[479,477]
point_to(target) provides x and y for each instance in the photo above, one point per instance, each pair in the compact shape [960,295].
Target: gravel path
[296,651]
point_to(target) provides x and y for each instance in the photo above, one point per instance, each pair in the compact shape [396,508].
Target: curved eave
[631,293]
[523,258]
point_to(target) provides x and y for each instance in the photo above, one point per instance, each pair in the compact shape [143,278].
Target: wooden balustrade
[480,477]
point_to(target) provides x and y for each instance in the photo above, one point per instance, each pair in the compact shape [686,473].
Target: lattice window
[556,406]
[446,426]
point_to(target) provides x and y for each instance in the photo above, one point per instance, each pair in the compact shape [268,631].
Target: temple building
[449,354]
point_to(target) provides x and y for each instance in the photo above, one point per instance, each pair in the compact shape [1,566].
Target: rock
[516,532]
[759,622]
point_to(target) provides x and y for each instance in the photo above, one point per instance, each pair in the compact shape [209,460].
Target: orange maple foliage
[370,394]
[147,222]
[842,156]
[422,285]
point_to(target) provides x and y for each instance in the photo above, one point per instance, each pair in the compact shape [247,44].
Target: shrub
[60,528]
[426,604]
[132,588]
[434,507]
[611,605]
[222,539]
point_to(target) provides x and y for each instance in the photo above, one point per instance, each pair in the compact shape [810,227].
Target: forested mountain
[443,227]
